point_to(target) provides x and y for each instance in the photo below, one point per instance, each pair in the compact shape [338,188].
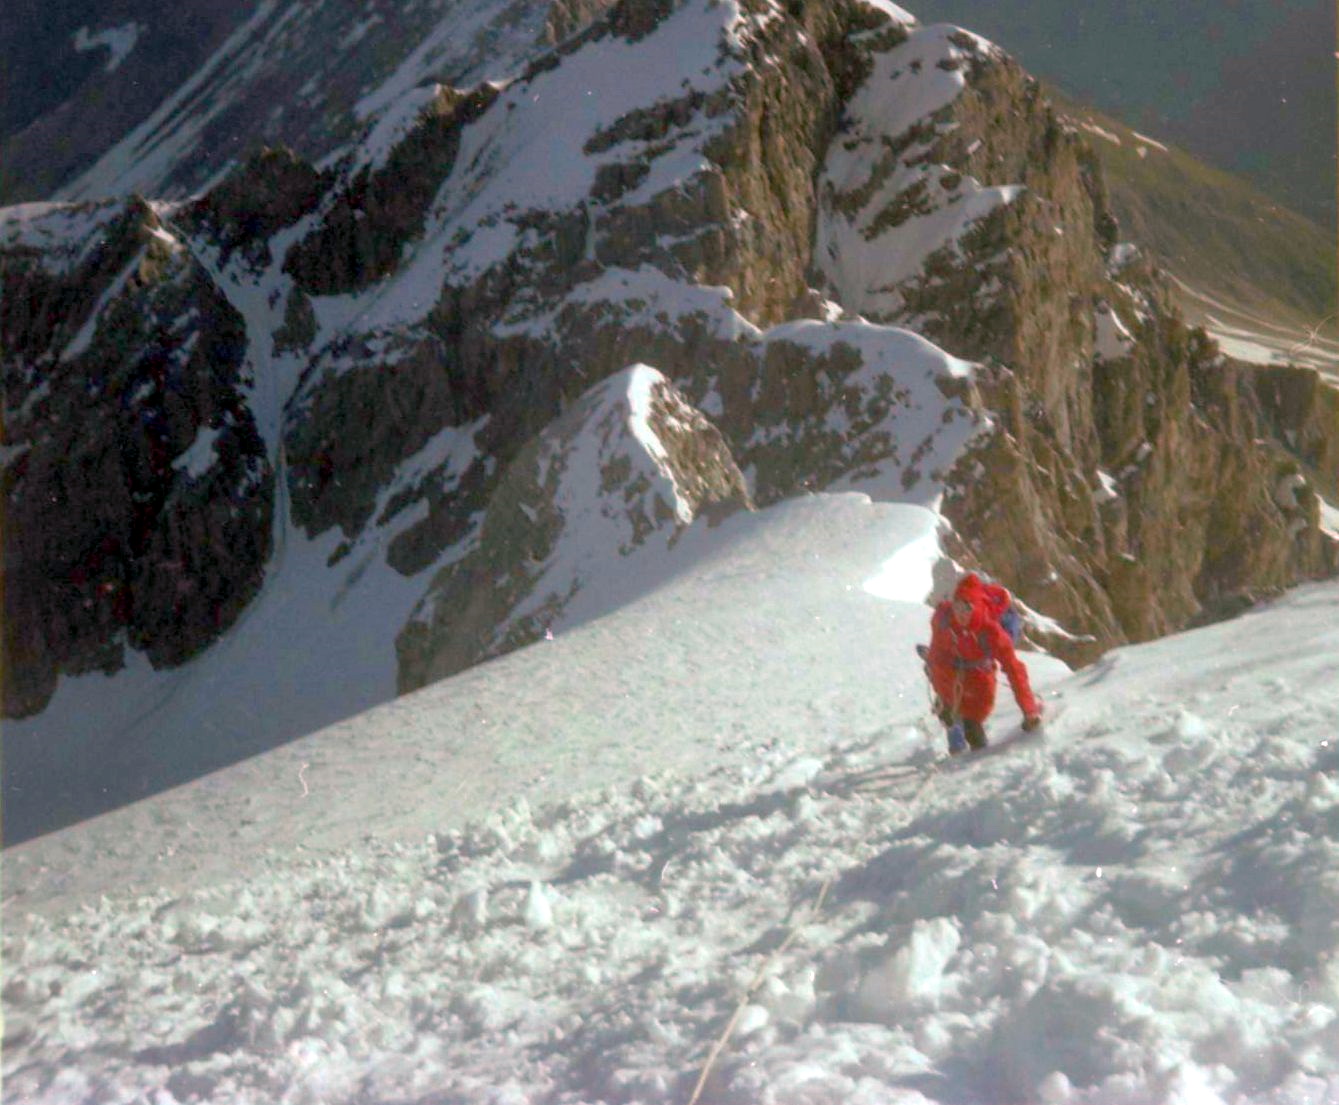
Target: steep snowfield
[434,902]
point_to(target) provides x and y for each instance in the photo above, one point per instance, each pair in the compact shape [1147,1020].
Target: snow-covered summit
[887,205]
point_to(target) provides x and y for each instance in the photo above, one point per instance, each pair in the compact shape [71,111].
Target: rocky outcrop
[917,177]
[566,17]
[753,123]
[621,474]
[272,191]
[1129,490]
[137,491]
[364,231]
[1301,409]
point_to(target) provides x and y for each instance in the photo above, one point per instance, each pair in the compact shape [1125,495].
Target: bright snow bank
[1142,908]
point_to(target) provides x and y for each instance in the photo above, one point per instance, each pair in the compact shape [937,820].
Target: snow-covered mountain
[637,859]
[326,431]
[185,92]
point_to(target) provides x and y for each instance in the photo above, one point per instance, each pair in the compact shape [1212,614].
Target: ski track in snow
[569,906]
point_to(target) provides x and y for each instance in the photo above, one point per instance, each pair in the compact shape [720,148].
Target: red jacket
[963,658]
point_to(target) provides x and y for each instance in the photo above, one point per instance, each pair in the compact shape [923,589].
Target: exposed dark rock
[272,190]
[139,498]
[362,235]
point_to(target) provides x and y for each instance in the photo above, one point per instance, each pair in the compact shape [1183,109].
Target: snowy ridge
[563,118]
[390,128]
[612,483]
[583,519]
[888,418]
[1139,910]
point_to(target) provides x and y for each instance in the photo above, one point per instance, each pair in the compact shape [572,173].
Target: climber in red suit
[967,643]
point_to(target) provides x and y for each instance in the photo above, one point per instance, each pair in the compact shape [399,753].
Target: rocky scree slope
[757,200]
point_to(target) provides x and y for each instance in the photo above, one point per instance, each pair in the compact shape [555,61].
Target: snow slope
[1254,339]
[556,877]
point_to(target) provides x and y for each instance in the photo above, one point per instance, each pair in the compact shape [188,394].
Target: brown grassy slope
[1212,230]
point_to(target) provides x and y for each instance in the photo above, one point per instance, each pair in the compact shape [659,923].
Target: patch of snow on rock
[118,41]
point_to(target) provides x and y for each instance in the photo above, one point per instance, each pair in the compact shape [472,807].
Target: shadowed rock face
[363,233]
[270,193]
[756,231]
[137,491]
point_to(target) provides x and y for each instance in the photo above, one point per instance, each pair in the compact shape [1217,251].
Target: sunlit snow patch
[908,575]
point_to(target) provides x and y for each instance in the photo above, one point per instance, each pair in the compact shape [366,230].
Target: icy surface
[554,878]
